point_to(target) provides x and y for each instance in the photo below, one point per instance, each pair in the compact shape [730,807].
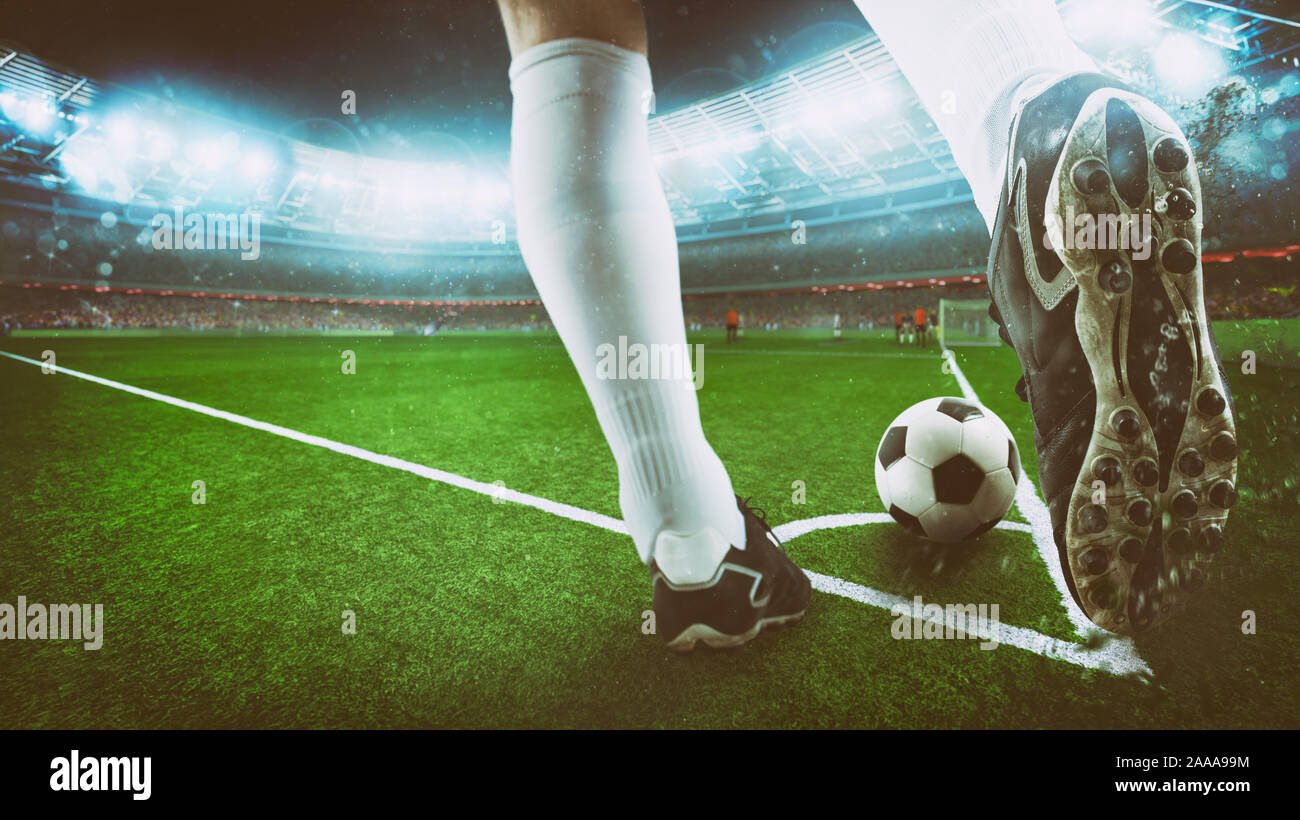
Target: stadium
[269,371]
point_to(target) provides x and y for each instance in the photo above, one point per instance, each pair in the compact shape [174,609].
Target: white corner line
[1116,656]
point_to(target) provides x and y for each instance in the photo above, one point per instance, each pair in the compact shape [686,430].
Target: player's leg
[972,62]
[530,23]
[1039,134]
[597,237]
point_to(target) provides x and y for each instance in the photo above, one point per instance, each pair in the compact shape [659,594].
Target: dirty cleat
[755,587]
[1095,275]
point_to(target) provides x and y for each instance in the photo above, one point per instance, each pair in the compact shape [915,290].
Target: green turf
[473,614]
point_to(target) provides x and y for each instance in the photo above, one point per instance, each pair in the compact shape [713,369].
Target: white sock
[973,62]
[598,238]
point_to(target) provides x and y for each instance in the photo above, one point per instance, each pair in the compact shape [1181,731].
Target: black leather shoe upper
[1057,380]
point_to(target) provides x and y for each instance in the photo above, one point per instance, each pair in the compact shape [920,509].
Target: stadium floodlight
[489,194]
[96,170]
[257,165]
[121,134]
[1186,63]
[31,115]
[411,192]
[160,144]
[215,154]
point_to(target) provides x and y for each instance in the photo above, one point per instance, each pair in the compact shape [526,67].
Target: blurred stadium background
[829,142]
[788,121]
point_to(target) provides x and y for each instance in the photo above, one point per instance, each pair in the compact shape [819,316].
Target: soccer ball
[947,469]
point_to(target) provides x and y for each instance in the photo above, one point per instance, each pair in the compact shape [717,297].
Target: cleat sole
[695,634]
[1142,563]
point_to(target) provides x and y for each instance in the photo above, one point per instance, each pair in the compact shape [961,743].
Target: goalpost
[966,323]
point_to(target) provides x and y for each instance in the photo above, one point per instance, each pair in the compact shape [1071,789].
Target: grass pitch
[471,613]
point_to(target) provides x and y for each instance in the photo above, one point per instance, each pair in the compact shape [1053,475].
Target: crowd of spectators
[859,308]
[1238,290]
[42,308]
[937,239]
[1239,134]
[1242,135]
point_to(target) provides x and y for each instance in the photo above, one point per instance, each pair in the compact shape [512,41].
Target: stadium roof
[839,136]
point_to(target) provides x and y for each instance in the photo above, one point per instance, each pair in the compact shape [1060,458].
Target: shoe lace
[761,515]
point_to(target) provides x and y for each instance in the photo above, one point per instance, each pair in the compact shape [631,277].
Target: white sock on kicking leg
[973,62]
[598,238]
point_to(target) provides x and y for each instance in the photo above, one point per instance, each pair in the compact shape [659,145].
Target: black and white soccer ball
[947,469]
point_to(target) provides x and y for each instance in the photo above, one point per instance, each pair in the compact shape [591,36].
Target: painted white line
[794,529]
[1040,527]
[1112,655]
[1104,658]
[553,507]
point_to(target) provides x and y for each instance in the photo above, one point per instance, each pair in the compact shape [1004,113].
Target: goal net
[966,322]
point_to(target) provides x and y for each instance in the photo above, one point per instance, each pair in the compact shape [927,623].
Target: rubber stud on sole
[1103,595]
[1179,257]
[1190,463]
[1178,204]
[1223,495]
[1146,472]
[1093,518]
[1095,562]
[1115,278]
[1090,177]
[1212,538]
[1125,422]
[1139,512]
[1184,504]
[1132,550]
[1210,402]
[1169,155]
[1107,469]
[1179,540]
[1223,447]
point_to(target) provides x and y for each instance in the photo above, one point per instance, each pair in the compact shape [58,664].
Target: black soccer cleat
[753,588]
[1121,371]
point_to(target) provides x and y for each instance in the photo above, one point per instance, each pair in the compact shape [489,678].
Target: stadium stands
[1245,289]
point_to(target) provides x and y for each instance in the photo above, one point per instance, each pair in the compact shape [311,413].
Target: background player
[919,322]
